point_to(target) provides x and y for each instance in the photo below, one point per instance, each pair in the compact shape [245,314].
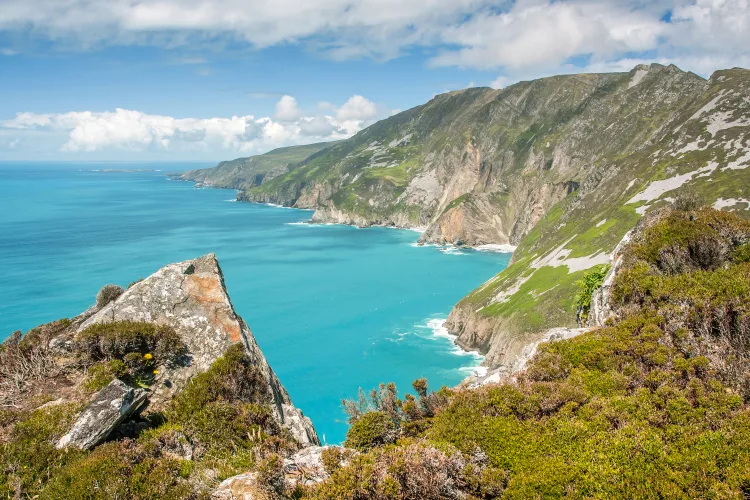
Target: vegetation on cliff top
[218,426]
[647,407]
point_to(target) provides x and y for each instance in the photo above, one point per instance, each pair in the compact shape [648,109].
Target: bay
[333,308]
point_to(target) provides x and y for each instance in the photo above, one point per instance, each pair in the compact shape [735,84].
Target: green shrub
[687,200]
[271,474]
[108,341]
[374,428]
[29,457]
[741,253]
[331,457]
[107,294]
[232,377]
[102,373]
[590,281]
[119,470]
[410,471]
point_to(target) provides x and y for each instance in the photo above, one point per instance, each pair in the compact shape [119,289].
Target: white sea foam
[440,332]
[451,250]
[455,250]
[232,200]
[310,223]
[496,248]
[274,205]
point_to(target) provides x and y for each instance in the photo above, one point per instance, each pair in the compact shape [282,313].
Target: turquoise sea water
[333,307]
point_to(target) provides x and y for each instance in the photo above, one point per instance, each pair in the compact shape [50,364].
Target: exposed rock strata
[191,297]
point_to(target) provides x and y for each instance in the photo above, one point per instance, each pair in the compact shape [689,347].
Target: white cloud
[319,126]
[357,108]
[131,130]
[520,39]
[535,33]
[377,28]
[514,36]
[286,109]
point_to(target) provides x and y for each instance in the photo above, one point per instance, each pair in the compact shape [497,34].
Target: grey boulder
[109,408]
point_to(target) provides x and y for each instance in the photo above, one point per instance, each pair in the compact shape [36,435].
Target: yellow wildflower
[156,372]
[147,356]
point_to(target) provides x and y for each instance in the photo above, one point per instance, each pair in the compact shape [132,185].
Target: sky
[211,80]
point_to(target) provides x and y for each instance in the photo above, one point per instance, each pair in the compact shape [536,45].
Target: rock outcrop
[241,487]
[190,297]
[601,308]
[515,355]
[109,408]
[304,468]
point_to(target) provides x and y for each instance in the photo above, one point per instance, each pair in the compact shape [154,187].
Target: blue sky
[217,79]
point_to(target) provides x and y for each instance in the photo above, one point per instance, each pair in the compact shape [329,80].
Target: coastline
[477,372]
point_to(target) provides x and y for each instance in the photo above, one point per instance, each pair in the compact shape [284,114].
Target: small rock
[61,344]
[306,466]
[110,407]
[242,487]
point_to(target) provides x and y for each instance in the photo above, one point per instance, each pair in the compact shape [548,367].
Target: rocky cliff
[696,140]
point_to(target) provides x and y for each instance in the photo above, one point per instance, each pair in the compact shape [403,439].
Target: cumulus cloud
[319,126]
[357,108]
[535,33]
[286,109]
[131,130]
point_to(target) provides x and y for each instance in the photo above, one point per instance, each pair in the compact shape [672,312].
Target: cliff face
[481,165]
[191,298]
[701,144]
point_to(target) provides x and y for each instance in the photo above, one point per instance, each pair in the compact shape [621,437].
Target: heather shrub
[28,456]
[232,377]
[271,475]
[108,341]
[741,253]
[374,428]
[120,470]
[411,470]
[102,373]
[27,359]
[687,200]
[107,294]
[332,456]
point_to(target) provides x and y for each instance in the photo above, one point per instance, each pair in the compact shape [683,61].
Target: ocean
[333,307]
